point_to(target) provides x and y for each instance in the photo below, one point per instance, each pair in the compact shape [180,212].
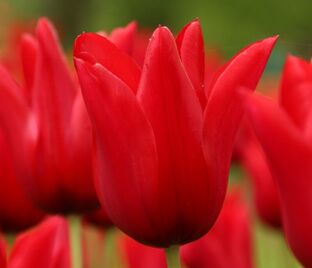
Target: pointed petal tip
[162,30]
[132,24]
[43,21]
[44,24]
[270,41]
[195,22]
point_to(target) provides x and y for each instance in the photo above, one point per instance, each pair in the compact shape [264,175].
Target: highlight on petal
[173,109]
[46,245]
[95,48]
[289,156]
[224,109]
[14,115]
[191,48]
[120,127]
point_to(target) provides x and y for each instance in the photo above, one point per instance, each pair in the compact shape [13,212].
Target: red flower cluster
[146,128]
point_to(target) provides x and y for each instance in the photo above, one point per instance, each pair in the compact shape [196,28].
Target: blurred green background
[228,25]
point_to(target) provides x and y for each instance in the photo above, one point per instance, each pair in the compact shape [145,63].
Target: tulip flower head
[285,135]
[51,140]
[162,155]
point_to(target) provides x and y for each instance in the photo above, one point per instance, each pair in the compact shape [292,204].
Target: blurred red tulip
[228,244]
[159,153]
[253,160]
[16,210]
[285,134]
[137,255]
[47,245]
[52,145]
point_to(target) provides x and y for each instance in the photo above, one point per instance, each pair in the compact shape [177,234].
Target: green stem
[173,258]
[75,241]
[111,255]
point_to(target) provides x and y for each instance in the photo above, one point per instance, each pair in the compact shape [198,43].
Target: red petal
[29,51]
[264,189]
[54,89]
[14,114]
[98,49]
[190,44]
[52,173]
[123,38]
[296,87]
[17,212]
[229,242]
[47,245]
[172,107]
[2,252]
[224,109]
[290,159]
[137,255]
[126,154]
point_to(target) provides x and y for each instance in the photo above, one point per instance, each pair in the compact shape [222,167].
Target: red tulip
[253,160]
[52,142]
[137,255]
[163,161]
[16,210]
[285,134]
[228,244]
[47,245]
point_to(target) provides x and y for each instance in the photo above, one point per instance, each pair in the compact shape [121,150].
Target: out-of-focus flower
[285,134]
[136,255]
[51,137]
[253,160]
[46,245]
[229,242]
[163,145]
[16,210]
